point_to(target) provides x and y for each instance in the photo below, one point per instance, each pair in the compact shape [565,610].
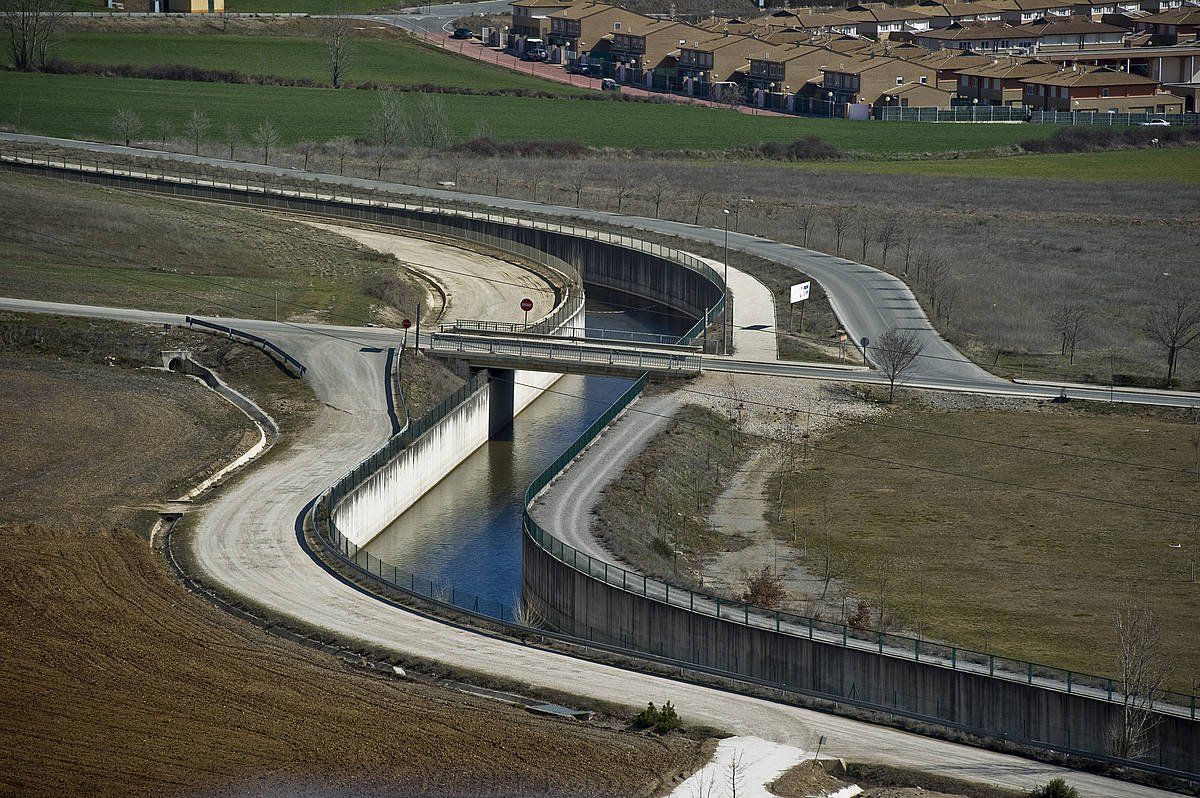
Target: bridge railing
[566,353]
[599,335]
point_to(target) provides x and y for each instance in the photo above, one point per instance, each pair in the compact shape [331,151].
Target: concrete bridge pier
[501,403]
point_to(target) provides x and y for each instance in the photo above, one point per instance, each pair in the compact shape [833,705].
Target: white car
[1155,123]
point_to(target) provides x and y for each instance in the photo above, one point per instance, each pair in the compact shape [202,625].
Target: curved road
[866,300]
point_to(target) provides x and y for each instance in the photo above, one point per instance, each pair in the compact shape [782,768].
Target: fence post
[1029,671]
[954,658]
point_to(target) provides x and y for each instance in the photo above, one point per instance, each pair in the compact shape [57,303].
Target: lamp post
[974,105]
[831,105]
[726,314]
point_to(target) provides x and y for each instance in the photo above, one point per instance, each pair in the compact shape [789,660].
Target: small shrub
[764,589]
[861,617]
[487,147]
[661,720]
[660,546]
[809,148]
[1055,788]
[669,720]
[647,717]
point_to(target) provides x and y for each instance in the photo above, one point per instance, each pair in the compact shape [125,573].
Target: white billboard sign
[800,291]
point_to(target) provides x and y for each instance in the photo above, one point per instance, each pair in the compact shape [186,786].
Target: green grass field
[394,60]
[1175,165]
[83,106]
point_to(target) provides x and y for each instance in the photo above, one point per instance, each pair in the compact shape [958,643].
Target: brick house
[1099,90]
[1028,10]
[1180,26]
[717,59]
[1001,83]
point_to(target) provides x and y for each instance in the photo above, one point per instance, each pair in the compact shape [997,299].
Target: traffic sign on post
[526,305]
[406,324]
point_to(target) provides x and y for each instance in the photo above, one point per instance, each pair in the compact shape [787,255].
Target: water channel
[466,531]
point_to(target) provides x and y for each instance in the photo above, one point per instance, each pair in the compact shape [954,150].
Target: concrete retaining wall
[386,494]
[573,603]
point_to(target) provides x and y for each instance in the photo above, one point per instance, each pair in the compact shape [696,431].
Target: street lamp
[831,105]
[725,314]
[974,105]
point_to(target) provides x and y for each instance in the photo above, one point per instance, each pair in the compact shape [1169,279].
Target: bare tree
[195,127]
[908,243]
[342,145]
[702,198]
[840,217]
[265,137]
[806,216]
[866,231]
[163,129]
[889,229]
[659,190]
[496,172]
[735,773]
[1145,666]
[1174,324]
[127,124]
[624,179]
[338,35]
[577,182]
[389,124]
[31,26]
[1068,319]
[894,354]
[432,125]
[231,138]
[306,148]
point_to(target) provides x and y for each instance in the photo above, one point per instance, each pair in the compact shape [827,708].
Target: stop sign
[406,324]
[526,304]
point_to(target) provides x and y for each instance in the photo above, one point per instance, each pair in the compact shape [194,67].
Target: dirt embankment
[116,681]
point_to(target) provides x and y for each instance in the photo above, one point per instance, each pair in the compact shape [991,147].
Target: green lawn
[83,106]
[394,61]
[1176,164]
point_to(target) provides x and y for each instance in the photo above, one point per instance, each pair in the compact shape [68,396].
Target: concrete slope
[476,286]
[868,301]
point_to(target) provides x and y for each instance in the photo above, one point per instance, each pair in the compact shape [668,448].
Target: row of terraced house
[1044,55]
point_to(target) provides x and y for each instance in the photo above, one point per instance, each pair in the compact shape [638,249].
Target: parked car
[582,68]
[536,54]
[462,33]
[1155,123]
[608,84]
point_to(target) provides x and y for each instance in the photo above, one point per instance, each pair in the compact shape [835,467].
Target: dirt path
[475,286]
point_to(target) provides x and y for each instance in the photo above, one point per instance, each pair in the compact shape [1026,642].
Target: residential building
[792,70]
[1177,68]
[917,95]
[717,59]
[1001,82]
[1072,33]
[881,20]
[977,11]
[579,28]
[866,80]
[949,63]
[1098,90]
[531,18]
[1180,26]
[1028,10]
[980,37]
[642,47]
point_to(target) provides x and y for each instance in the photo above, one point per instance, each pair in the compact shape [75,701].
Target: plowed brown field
[116,681]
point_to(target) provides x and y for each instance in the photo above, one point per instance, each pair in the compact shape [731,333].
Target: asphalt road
[866,300]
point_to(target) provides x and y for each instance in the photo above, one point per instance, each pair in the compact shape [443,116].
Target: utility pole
[276,304]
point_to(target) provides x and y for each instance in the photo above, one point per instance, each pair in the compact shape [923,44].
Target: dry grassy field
[117,681]
[77,243]
[1082,510]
